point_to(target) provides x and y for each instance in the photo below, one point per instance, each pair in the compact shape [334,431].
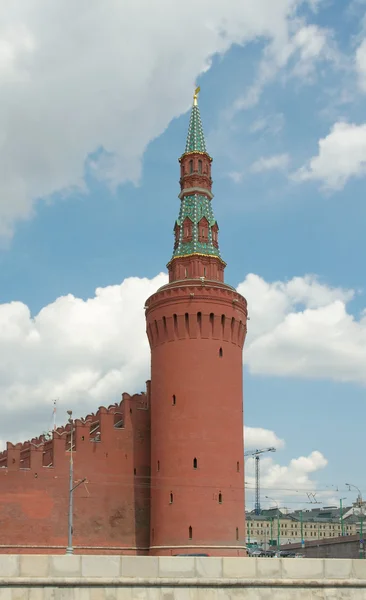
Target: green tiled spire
[195,138]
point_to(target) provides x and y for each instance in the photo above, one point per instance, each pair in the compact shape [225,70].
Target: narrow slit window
[158,465]
[220,498]
[134,471]
[190,533]
[199,322]
[212,318]
[191,166]
[221,353]
[171,498]
[186,273]
[174,400]
[204,271]
[237,533]
[238,466]
[200,166]
[195,463]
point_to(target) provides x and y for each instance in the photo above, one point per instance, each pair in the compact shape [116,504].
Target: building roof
[315,515]
[195,138]
[196,208]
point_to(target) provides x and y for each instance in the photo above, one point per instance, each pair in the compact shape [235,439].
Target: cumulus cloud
[302,328]
[257,438]
[86,353]
[277,162]
[341,155]
[281,482]
[89,78]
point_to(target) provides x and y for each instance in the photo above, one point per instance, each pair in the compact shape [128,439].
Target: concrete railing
[169,578]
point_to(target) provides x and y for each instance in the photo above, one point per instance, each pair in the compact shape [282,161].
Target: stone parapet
[180,577]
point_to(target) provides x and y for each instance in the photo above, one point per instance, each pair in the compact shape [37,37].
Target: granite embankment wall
[88,577]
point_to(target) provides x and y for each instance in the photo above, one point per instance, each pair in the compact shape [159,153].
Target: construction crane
[256,455]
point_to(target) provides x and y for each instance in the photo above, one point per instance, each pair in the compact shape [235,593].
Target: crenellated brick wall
[111,449]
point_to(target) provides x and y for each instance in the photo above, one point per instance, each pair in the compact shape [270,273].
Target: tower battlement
[92,434]
[193,310]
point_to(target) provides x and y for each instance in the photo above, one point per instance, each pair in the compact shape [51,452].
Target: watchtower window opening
[158,465]
[220,498]
[221,353]
[190,533]
[191,166]
[134,471]
[237,533]
[195,463]
[200,166]
[185,273]
[171,498]
[174,400]
[238,466]
[204,271]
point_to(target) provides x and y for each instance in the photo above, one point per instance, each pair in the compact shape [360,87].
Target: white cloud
[361,64]
[87,353]
[307,45]
[341,155]
[283,482]
[302,328]
[277,162]
[257,438]
[76,77]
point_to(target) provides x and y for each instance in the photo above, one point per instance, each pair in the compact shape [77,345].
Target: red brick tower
[196,325]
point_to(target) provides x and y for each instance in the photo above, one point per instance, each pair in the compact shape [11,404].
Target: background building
[291,527]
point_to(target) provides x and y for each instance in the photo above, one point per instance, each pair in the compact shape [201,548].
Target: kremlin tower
[163,471]
[196,325]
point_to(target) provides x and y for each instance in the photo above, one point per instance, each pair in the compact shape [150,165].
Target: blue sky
[99,202]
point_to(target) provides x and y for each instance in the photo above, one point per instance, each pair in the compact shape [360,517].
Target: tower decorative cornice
[196,229]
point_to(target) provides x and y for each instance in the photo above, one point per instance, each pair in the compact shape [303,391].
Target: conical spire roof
[195,138]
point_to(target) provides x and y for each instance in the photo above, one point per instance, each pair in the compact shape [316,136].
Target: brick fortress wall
[111,510]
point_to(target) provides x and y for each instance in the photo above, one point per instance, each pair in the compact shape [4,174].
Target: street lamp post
[341,515]
[72,487]
[69,549]
[351,485]
[278,520]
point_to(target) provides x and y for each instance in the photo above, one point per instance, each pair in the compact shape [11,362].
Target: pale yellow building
[293,527]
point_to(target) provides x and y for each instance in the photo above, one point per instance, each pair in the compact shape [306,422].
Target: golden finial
[195,97]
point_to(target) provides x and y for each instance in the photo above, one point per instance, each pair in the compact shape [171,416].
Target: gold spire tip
[195,97]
